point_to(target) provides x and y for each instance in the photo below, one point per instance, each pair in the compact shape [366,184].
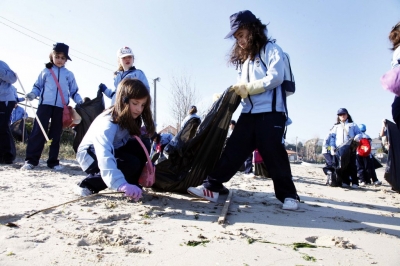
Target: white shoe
[290,204]
[378,183]
[362,184]
[204,193]
[354,186]
[27,166]
[82,191]
[58,168]
[250,175]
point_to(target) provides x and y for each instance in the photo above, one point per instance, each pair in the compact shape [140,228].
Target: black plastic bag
[392,173]
[88,111]
[191,159]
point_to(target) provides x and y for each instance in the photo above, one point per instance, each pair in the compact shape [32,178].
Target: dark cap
[233,122]
[62,48]
[342,111]
[238,19]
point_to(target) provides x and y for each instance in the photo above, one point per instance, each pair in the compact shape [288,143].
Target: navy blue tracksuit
[262,131]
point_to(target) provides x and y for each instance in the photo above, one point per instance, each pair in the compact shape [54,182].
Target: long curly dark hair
[132,89]
[394,36]
[256,40]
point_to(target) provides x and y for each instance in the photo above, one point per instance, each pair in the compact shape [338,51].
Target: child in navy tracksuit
[261,124]
[108,153]
[341,132]
[125,70]
[50,107]
[365,165]
[7,103]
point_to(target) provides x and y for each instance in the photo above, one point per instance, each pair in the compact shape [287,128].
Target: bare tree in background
[183,96]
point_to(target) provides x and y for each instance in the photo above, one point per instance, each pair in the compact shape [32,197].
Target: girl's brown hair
[394,36]
[51,63]
[132,89]
[256,40]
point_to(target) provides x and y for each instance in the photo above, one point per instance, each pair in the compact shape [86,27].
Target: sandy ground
[333,226]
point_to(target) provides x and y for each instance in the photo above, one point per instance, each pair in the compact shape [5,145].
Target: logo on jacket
[257,61]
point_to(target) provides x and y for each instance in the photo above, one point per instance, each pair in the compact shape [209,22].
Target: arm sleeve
[73,89]
[275,68]
[7,74]
[39,84]
[103,145]
[332,139]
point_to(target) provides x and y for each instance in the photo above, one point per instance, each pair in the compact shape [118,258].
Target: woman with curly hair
[261,124]
[108,153]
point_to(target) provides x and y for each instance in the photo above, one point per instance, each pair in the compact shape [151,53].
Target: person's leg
[238,147]
[352,169]
[131,160]
[360,164]
[269,132]
[55,135]
[371,171]
[7,145]
[36,138]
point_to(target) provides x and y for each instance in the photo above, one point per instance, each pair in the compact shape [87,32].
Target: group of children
[113,159]
[360,167]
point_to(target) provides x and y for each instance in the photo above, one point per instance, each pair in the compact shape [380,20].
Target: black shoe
[223,191]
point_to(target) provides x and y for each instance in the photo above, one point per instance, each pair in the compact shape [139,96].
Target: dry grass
[66,151]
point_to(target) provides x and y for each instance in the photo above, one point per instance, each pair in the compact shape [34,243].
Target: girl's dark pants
[7,145]
[37,140]
[366,169]
[130,160]
[263,131]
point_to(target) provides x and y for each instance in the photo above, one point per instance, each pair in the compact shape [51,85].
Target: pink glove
[131,191]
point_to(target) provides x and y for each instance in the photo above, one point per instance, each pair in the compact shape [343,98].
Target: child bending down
[108,153]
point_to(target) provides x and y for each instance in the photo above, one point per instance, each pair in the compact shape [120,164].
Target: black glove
[102,87]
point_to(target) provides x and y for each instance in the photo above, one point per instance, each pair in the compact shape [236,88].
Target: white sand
[349,227]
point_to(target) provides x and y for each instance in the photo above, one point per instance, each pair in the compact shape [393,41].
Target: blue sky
[339,50]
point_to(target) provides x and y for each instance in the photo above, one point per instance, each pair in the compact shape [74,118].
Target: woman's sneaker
[57,167]
[82,191]
[290,204]
[378,183]
[204,193]
[27,166]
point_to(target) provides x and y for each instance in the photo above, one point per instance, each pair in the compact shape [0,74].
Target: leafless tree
[183,96]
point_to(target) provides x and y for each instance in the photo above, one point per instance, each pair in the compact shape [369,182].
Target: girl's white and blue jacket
[132,73]
[7,77]
[46,88]
[342,132]
[272,75]
[102,138]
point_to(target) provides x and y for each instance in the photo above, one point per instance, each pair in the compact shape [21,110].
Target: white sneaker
[378,183]
[250,175]
[344,185]
[204,193]
[354,186]
[362,184]
[82,191]
[290,204]
[27,166]
[58,168]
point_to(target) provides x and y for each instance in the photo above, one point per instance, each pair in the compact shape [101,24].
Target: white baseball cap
[124,51]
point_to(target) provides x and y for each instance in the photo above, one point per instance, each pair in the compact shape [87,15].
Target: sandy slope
[348,227]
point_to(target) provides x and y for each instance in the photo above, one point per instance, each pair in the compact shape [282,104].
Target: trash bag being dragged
[392,172]
[88,111]
[191,156]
